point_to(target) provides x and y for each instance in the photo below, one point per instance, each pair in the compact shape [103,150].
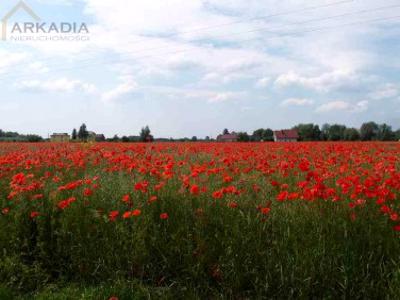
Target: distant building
[91,136]
[290,135]
[230,137]
[60,137]
[100,138]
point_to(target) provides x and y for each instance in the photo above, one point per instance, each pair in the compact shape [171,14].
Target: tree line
[82,135]
[369,131]
[9,136]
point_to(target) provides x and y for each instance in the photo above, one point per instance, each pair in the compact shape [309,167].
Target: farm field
[200,220]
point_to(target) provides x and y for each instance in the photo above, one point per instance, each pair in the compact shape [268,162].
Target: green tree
[74,134]
[34,138]
[351,134]
[115,138]
[308,132]
[83,133]
[258,135]
[369,131]
[336,132]
[397,135]
[194,138]
[125,139]
[263,135]
[226,131]
[145,135]
[243,137]
[385,133]
[325,132]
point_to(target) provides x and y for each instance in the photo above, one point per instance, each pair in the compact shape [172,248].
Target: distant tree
[10,134]
[243,137]
[325,132]
[207,138]
[351,134]
[308,132]
[226,131]
[194,138]
[268,135]
[1,133]
[369,131]
[33,138]
[145,135]
[385,133]
[262,135]
[336,132]
[125,139]
[258,135]
[115,138]
[397,135]
[83,133]
[74,134]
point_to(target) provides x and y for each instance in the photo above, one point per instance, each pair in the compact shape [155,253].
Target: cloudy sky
[194,67]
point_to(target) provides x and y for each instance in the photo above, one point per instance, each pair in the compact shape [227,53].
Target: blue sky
[194,67]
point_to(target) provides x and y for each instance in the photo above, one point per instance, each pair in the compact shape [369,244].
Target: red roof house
[286,135]
[231,137]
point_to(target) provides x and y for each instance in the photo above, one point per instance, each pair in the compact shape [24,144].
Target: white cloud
[343,106]
[225,96]
[297,102]
[263,82]
[11,60]
[323,83]
[126,87]
[58,85]
[386,91]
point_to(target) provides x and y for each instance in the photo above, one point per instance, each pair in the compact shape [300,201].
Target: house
[230,137]
[286,135]
[91,136]
[100,138]
[60,137]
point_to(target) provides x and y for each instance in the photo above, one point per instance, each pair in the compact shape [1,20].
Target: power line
[295,33]
[263,29]
[309,8]
[266,30]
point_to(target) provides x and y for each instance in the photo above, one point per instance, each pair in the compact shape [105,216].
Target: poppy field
[202,220]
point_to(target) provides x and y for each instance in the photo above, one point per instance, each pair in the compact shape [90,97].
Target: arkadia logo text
[29,27]
[63,31]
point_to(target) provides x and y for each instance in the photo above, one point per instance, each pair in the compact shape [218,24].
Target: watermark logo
[37,30]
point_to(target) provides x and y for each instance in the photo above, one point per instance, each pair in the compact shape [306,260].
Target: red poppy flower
[112,216]
[265,210]
[126,198]
[127,215]
[136,212]
[194,189]
[34,214]
[87,192]
[164,216]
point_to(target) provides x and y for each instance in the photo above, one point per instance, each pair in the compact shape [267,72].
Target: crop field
[200,220]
